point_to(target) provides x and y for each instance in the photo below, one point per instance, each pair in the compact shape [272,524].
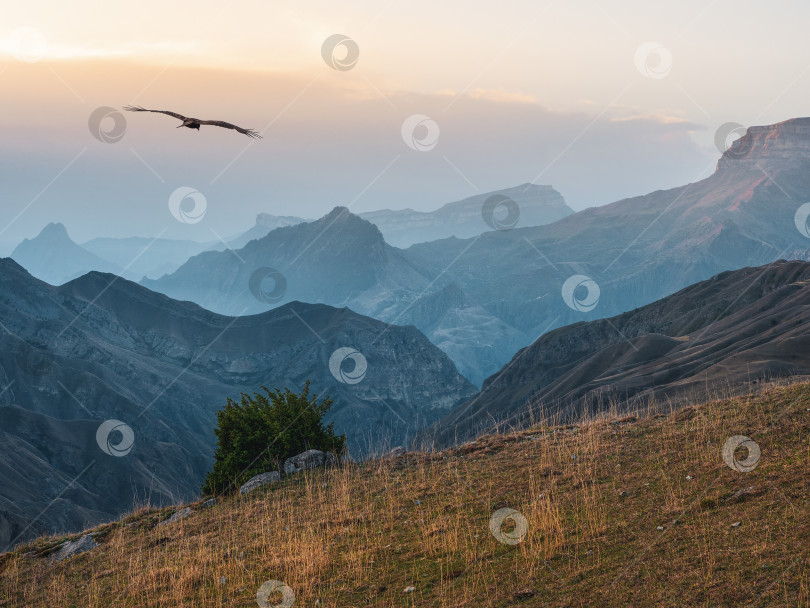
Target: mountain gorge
[481,298]
[606,260]
[342,260]
[101,348]
[405,305]
[736,330]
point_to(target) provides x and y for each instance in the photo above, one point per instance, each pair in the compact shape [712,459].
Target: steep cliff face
[99,348]
[784,141]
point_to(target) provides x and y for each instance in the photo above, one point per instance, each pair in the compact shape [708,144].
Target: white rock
[262,479]
[308,460]
[177,516]
[69,549]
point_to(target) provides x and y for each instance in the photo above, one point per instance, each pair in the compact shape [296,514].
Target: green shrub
[261,431]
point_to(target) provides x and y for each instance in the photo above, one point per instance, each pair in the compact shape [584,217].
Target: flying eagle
[194,123]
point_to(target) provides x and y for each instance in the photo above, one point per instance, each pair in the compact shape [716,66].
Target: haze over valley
[404,304]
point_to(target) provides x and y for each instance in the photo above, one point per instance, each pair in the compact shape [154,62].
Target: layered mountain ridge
[636,250]
[100,348]
[343,260]
[535,205]
[740,327]
[512,285]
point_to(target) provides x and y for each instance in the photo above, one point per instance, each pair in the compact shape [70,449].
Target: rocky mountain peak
[52,256]
[343,218]
[337,213]
[54,231]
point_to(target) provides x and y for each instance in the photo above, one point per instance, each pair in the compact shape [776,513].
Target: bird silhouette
[194,123]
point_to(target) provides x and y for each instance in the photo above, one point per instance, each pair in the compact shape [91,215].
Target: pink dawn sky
[602,100]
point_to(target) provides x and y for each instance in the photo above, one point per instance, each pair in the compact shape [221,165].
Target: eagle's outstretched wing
[227,125]
[140,109]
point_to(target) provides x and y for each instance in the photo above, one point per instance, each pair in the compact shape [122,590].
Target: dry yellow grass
[593,496]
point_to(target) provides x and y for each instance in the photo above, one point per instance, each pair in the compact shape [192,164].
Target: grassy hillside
[618,512]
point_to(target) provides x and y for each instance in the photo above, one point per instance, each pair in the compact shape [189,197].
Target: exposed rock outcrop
[177,516]
[395,452]
[262,479]
[71,548]
[308,460]
[768,144]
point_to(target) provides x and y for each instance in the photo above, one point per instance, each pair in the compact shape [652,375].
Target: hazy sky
[602,100]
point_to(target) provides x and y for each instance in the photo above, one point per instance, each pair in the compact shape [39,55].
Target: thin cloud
[501,96]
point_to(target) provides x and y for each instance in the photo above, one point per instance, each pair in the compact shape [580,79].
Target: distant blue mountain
[53,257]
